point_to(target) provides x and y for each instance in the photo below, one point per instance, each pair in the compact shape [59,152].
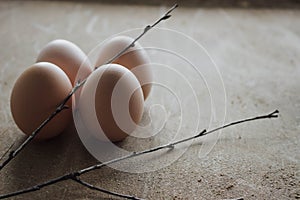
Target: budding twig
[63,106]
[146,29]
[76,174]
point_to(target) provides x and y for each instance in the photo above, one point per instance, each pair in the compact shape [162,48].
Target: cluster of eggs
[61,64]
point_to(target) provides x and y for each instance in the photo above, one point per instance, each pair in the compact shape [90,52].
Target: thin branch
[171,145]
[63,106]
[7,150]
[271,115]
[134,154]
[88,185]
[146,29]
[36,187]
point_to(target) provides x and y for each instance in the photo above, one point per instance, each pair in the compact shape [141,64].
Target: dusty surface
[257,53]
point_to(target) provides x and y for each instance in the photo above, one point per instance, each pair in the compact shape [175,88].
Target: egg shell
[36,94]
[135,59]
[111,103]
[69,57]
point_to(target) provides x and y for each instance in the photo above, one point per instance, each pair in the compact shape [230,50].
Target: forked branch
[75,175]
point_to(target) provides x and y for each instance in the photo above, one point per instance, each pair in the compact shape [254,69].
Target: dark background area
[290,4]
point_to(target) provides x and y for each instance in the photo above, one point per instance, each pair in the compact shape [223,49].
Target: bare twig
[60,108]
[73,175]
[7,150]
[146,29]
[63,106]
[88,185]
[171,145]
[271,115]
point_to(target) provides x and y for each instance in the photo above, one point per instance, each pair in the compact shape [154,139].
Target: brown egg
[36,94]
[135,59]
[68,56]
[112,99]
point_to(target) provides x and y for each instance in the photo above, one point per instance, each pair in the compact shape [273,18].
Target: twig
[171,145]
[271,115]
[60,108]
[146,29]
[134,154]
[63,106]
[7,150]
[88,185]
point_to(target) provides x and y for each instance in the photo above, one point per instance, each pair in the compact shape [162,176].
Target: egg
[135,59]
[69,57]
[111,103]
[36,94]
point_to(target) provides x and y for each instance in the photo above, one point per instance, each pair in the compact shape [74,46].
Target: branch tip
[172,8]
[274,114]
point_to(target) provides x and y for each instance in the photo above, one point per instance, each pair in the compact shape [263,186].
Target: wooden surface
[257,54]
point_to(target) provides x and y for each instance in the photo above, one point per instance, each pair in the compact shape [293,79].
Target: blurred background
[209,3]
